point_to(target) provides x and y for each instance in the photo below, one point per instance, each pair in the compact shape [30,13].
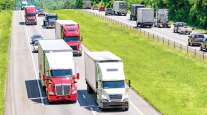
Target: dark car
[35,41]
[40,12]
[195,39]
[109,11]
[49,21]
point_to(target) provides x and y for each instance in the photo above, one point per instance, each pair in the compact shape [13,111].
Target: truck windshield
[33,14]
[61,73]
[72,39]
[123,5]
[52,17]
[113,84]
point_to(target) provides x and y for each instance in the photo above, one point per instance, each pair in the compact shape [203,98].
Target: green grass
[5,22]
[171,81]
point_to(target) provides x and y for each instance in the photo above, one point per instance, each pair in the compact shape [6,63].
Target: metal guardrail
[189,51]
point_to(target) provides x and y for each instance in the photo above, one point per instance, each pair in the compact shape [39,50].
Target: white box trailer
[47,46]
[104,75]
[120,8]
[161,19]
[145,17]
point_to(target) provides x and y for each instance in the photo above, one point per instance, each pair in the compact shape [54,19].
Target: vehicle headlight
[104,100]
[126,99]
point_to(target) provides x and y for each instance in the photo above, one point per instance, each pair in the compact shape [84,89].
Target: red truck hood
[62,80]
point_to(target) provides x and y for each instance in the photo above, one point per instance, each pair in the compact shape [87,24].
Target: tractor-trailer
[69,31]
[134,9]
[145,17]
[30,15]
[104,75]
[57,71]
[161,20]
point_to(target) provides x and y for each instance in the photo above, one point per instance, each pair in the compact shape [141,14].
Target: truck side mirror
[129,83]
[77,76]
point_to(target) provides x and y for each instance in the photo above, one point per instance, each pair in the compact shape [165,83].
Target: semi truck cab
[57,70]
[112,90]
[69,31]
[104,74]
[30,15]
[60,78]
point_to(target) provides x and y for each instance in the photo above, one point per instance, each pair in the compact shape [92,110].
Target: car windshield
[33,14]
[113,84]
[52,17]
[61,73]
[199,36]
[71,39]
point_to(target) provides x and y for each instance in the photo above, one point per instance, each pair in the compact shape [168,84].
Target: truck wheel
[126,109]
[189,44]
[89,89]
[201,49]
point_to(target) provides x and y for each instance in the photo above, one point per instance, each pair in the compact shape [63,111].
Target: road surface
[24,94]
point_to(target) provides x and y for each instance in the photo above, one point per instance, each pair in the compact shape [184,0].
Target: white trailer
[104,75]
[161,19]
[120,8]
[145,17]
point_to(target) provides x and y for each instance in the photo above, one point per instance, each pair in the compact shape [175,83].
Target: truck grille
[74,47]
[62,90]
[115,97]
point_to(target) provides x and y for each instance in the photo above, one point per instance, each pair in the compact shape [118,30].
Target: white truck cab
[105,76]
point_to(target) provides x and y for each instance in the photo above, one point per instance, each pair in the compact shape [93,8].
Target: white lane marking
[36,74]
[137,109]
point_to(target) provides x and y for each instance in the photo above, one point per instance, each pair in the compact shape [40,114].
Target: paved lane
[24,94]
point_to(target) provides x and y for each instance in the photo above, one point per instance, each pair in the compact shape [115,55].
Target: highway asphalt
[24,94]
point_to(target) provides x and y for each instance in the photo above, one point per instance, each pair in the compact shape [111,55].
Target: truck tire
[89,89]
[201,49]
[125,109]
[131,17]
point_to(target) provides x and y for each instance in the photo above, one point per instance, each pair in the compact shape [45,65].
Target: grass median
[173,83]
[5,23]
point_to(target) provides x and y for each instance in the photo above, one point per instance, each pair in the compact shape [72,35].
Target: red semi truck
[30,15]
[57,71]
[69,31]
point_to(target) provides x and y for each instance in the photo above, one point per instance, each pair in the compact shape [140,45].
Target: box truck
[56,71]
[145,17]
[69,31]
[104,75]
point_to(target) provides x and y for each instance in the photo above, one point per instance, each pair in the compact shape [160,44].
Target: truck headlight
[104,100]
[125,99]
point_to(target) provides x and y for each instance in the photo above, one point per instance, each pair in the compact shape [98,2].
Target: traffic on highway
[51,71]
[64,76]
